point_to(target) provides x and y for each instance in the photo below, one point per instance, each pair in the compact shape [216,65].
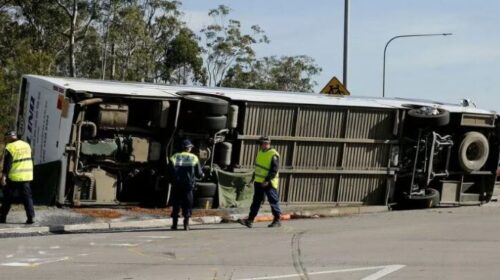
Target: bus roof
[250,95]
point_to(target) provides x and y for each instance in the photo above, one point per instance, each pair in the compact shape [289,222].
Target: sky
[463,65]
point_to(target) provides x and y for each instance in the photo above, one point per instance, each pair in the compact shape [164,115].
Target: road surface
[444,243]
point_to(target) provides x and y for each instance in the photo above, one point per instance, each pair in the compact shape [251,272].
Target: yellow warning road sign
[335,87]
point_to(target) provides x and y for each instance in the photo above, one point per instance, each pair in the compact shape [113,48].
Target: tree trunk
[72,62]
[104,54]
[113,61]
[72,65]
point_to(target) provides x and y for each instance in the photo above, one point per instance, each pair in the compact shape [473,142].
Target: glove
[3,181]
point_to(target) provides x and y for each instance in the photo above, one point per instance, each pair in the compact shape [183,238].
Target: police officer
[265,183]
[186,168]
[16,175]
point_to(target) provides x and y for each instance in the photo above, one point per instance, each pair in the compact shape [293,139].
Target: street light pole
[403,36]
[346,42]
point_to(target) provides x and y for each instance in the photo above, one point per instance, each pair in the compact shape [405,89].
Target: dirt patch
[99,213]
[152,211]
[207,212]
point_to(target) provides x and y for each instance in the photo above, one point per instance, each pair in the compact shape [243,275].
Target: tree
[226,45]
[21,52]
[129,36]
[88,55]
[79,14]
[136,37]
[183,61]
[287,73]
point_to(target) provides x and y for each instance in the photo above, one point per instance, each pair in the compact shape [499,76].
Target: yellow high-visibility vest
[184,159]
[21,169]
[263,164]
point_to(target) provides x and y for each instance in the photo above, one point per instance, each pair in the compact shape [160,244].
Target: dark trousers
[23,189]
[182,197]
[258,198]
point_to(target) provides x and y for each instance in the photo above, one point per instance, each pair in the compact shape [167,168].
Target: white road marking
[386,271]
[9,256]
[15,264]
[123,244]
[156,237]
[30,262]
[114,244]
[55,247]
[383,271]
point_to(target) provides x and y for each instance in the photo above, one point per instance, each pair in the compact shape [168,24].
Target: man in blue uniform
[186,168]
[17,174]
[266,183]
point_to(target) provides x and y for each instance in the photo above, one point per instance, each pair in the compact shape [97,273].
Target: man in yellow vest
[186,168]
[16,176]
[266,183]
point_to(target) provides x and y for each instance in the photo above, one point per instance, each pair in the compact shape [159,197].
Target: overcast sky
[466,64]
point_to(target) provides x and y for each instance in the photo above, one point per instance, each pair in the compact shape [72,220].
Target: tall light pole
[346,42]
[403,36]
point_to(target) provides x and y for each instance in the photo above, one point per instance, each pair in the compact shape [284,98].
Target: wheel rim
[474,151]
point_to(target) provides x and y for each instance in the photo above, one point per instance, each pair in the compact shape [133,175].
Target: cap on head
[11,133]
[187,143]
[264,139]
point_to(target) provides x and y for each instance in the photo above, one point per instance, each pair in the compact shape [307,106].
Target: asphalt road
[445,243]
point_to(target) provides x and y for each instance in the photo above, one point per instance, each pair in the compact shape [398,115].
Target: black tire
[428,200]
[206,105]
[418,119]
[473,152]
[214,122]
[189,120]
[206,189]
[204,202]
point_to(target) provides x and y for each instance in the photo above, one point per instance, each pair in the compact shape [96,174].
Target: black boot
[276,222]
[30,221]
[3,219]
[174,223]
[186,224]
[246,222]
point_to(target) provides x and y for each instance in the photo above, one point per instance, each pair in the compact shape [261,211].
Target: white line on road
[114,244]
[384,270]
[156,237]
[34,262]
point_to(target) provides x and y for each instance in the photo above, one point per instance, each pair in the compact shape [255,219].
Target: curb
[339,211]
[317,213]
[207,220]
[9,232]
[165,223]
[129,225]
[155,223]
[79,227]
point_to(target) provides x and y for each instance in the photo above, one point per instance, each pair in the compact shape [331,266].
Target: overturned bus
[104,142]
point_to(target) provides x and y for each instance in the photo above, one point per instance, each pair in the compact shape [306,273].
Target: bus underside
[415,156]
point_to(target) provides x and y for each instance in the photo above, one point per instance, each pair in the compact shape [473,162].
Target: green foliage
[287,73]
[226,45]
[183,60]
[135,40]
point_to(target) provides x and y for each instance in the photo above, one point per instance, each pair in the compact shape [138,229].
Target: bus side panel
[41,120]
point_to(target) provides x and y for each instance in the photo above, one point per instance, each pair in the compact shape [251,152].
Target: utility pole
[346,41]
